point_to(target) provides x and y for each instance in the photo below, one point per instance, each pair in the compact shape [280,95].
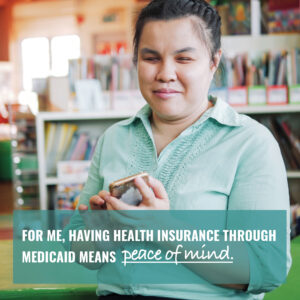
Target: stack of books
[114,72]
[64,142]
[259,78]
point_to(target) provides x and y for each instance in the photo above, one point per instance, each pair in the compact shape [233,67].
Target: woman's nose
[166,72]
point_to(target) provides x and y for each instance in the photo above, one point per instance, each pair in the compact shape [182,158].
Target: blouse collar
[222,112]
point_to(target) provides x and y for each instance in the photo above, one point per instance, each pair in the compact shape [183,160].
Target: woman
[200,153]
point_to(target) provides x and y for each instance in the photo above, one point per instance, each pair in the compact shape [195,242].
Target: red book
[283,5]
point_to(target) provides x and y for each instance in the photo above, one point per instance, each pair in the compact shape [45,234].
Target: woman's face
[174,68]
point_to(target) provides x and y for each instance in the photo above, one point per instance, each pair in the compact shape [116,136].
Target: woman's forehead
[175,33]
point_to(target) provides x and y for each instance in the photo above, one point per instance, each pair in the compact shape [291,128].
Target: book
[289,68]
[53,150]
[282,71]
[271,74]
[277,60]
[284,20]
[50,146]
[239,17]
[113,72]
[282,5]
[49,137]
[93,146]
[260,68]
[61,140]
[88,150]
[67,141]
[297,64]
[80,147]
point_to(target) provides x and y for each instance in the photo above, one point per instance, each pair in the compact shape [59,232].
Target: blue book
[72,146]
[88,151]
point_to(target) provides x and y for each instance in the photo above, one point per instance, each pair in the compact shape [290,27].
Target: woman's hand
[154,196]
[97,202]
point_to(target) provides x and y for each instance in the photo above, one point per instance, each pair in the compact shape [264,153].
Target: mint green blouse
[224,161]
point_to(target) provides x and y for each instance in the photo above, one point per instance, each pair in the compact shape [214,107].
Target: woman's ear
[217,59]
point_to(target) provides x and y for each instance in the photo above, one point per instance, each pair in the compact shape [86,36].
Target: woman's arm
[261,184]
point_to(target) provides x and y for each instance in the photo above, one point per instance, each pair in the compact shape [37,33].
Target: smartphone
[125,189]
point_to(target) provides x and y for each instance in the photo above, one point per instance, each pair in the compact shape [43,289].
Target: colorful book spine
[80,148]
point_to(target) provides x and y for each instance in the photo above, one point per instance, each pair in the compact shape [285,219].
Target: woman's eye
[152,59]
[184,59]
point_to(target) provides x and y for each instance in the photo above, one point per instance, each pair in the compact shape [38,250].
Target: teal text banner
[149,247]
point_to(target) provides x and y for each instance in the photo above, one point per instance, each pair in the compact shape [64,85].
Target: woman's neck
[165,131]
[173,128]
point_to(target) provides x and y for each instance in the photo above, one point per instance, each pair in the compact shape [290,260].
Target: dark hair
[209,22]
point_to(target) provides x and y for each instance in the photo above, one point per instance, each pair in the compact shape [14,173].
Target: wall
[59,17]
[5,26]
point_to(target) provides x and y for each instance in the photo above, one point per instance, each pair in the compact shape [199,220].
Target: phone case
[125,189]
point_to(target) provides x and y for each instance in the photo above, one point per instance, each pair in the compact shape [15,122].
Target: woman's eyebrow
[187,49]
[151,51]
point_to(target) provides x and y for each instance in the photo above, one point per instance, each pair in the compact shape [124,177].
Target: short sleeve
[93,185]
[261,184]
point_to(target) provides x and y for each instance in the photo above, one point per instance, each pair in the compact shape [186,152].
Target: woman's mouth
[165,93]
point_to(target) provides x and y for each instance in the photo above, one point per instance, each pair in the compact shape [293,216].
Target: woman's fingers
[144,189]
[83,207]
[158,188]
[97,203]
[154,189]
[117,204]
[103,194]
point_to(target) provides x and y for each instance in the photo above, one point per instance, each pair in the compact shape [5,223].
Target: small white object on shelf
[255,18]
[89,96]
[59,92]
[73,171]
[293,174]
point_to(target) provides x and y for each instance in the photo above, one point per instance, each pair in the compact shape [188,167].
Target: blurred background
[66,74]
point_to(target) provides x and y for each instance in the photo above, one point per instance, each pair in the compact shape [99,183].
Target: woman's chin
[167,113]
[169,109]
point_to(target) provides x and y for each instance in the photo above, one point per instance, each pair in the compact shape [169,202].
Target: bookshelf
[252,44]
[231,45]
[92,122]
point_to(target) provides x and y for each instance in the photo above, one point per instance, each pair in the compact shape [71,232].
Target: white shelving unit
[268,109]
[249,43]
[293,174]
[91,121]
